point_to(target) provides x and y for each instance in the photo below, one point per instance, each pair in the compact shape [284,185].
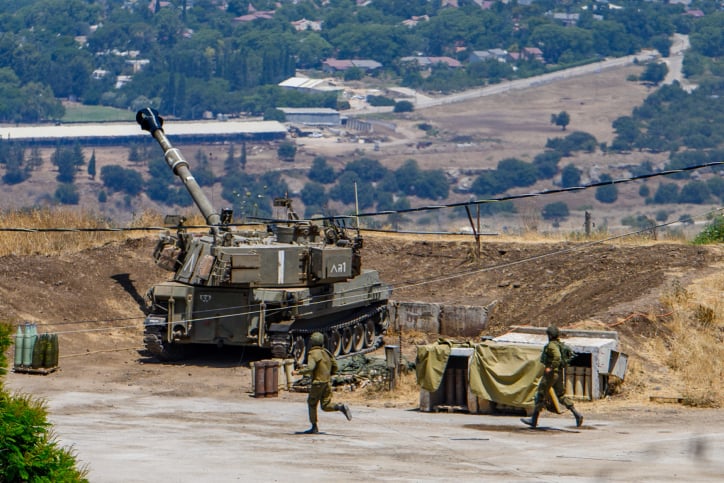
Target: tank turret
[271,288]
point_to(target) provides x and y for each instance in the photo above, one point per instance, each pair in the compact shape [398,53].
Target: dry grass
[32,242]
[689,351]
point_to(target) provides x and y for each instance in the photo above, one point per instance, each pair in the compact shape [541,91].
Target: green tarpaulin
[502,373]
[431,362]
[505,374]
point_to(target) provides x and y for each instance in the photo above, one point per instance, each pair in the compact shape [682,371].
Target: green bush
[28,448]
[5,332]
[713,232]
[557,210]
[404,106]
[378,101]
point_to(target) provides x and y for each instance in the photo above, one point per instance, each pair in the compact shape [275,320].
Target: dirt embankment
[530,283]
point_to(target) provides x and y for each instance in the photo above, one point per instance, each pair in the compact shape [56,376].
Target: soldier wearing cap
[321,365]
[554,358]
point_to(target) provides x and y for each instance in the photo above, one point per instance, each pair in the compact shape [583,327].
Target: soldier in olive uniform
[321,365]
[553,358]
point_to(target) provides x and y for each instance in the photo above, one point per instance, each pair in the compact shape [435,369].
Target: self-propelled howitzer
[268,288]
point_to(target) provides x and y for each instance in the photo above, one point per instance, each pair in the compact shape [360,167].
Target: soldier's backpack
[567,354]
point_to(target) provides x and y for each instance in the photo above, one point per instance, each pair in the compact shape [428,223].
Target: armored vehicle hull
[269,289]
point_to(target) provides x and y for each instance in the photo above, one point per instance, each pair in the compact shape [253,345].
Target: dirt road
[143,430]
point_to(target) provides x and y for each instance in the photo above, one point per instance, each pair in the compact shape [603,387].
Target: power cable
[323,299]
[389,212]
[514,197]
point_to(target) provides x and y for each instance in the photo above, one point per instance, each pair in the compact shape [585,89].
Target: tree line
[201,58]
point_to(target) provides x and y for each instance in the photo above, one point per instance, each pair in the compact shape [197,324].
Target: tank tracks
[358,335]
[164,351]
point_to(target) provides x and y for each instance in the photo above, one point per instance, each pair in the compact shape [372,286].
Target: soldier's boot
[578,416]
[313,430]
[533,420]
[345,410]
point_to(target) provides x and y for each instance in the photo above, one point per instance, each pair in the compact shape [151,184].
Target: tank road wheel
[369,333]
[161,349]
[334,342]
[347,340]
[358,335]
[299,350]
[280,346]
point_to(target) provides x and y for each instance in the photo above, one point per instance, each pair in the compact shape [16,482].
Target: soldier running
[321,365]
[554,359]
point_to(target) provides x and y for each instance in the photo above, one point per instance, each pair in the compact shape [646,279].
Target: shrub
[378,101]
[555,211]
[404,106]
[287,151]
[367,169]
[696,192]
[67,194]
[607,193]
[547,163]
[639,222]
[118,178]
[314,194]
[570,176]
[321,172]
[713,232]
[666,193]
[28,448]
[662,216]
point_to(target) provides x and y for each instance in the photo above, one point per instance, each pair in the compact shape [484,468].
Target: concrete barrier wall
[446,320]
[418,316]
[463,320]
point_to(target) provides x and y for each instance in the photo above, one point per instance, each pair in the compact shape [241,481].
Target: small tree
[666,193]
[607,193]
[287,151]
[696,192]
[570,176]
[561,119]
[230,165]
[556,211]
[353,73]
[92,166]
[273,114]
[67,194]
[133,154]
[654,73]
[242,159]
[313,194]
[66,163]
[404,106]
[117,178]
[321,172]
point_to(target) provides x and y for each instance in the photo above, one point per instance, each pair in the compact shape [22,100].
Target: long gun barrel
[150,121]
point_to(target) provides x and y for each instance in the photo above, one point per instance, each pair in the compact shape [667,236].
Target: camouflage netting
[356,372]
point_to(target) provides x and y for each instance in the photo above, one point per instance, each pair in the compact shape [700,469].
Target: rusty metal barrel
[260,379]
[271,378]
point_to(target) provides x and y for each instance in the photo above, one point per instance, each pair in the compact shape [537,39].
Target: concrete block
[418,316]
[463,320]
